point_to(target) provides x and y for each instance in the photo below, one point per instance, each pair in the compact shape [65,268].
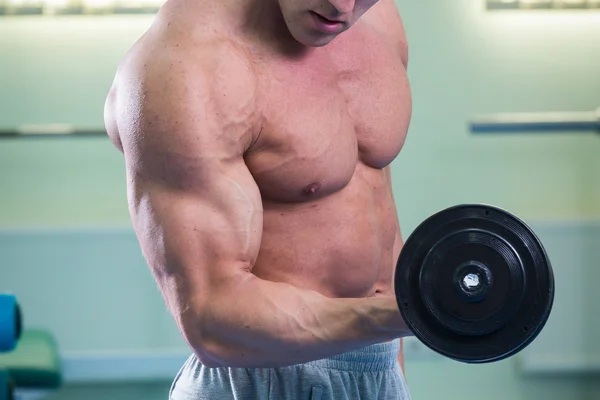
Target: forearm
[268,324]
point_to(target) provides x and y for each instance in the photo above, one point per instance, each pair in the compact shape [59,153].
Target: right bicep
[194,204]
[197,240]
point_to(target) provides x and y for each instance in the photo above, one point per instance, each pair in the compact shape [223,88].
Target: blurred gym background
[95,325]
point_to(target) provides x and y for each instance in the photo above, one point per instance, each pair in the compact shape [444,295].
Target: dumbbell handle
[537,122]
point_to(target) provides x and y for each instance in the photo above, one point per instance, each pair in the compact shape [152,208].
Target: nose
[343,6]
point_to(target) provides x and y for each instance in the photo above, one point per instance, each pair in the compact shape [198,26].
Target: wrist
[388,319]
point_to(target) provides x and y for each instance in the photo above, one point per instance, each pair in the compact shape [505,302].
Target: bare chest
[326,113]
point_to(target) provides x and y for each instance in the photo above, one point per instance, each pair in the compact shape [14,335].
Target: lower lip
[325,25]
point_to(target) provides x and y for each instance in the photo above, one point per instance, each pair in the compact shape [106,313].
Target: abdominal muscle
[341,245]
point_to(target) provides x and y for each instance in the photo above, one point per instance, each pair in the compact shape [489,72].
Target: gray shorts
[369,373]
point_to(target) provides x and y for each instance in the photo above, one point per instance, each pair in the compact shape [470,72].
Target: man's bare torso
[331,122]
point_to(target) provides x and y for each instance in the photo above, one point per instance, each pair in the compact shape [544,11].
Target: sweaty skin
[258,174]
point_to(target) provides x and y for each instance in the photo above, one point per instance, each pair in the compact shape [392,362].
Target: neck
[263,19]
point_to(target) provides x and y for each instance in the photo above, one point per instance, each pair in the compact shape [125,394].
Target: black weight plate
[474,283]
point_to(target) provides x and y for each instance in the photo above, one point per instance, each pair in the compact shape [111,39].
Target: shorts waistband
[377,357]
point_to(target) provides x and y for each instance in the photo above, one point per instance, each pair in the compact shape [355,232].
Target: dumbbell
[10,332]
[474,283]
[10,322]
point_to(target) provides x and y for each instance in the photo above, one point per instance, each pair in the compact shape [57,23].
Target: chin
[320,42]
[314,40]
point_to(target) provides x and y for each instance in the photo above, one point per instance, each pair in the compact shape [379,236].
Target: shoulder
[385,18]
[173,74]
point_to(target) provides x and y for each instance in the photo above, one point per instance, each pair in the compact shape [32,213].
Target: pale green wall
[463,61]
[58,70]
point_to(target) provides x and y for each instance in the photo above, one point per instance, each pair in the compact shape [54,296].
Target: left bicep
[398,243]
